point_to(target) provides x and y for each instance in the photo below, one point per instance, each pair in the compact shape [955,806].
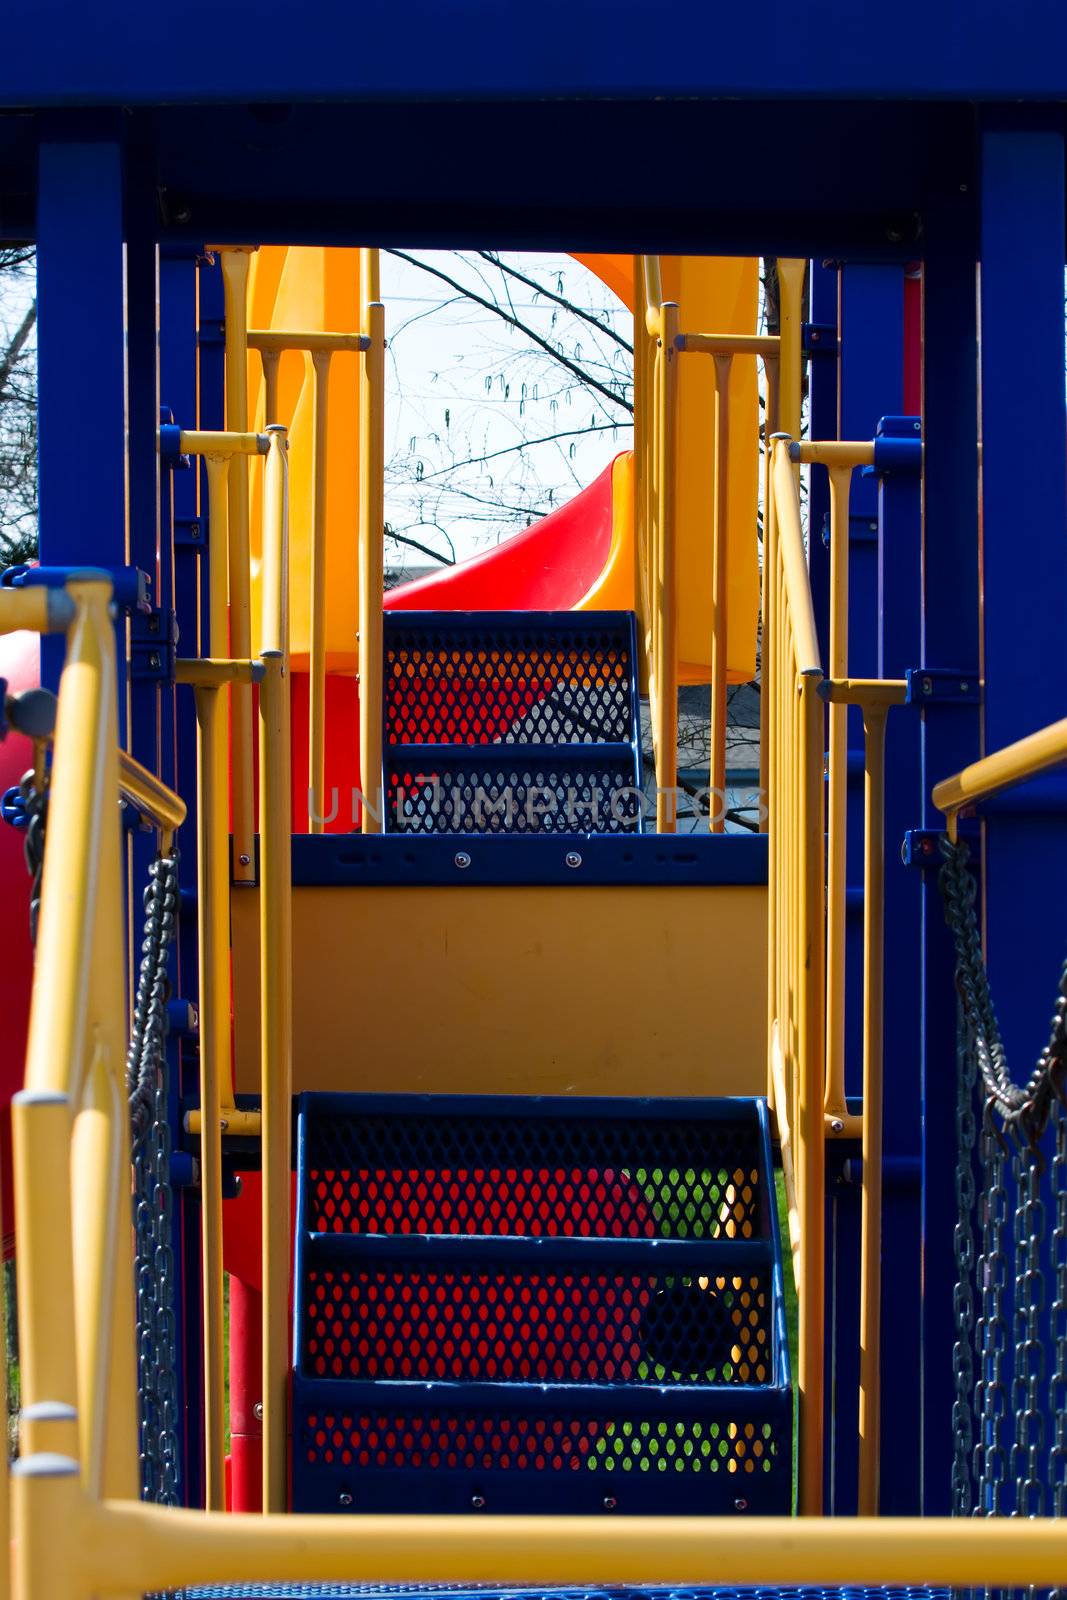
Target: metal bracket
[861,530]
[211,334]
[818,338]
[153,645]
[131,588]
[921,847]
[941,686]
[190,533]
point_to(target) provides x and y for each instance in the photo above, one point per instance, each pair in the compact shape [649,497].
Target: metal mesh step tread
[345,1591]
[509,1304]
[511,722]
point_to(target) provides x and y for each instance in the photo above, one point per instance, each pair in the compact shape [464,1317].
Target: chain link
[1014,1122]
[156,1271]
[35,802]
[963,1295]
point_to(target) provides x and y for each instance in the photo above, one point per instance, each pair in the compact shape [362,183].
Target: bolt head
[244,860]
[837,1125]
[740,1505]
[257,1411]
[610,1502]
[344,1498]
[194,530]
[154,661]
[572,858]
[477,1502]
[462,860]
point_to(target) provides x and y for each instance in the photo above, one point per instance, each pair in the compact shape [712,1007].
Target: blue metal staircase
[515,722]
[510,1304]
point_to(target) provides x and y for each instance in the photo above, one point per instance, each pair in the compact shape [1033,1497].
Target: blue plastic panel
[383,859]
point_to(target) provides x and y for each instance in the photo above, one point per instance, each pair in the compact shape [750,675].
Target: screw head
[572,858]
[740,1505]
[610,1502]
[928,686]
[344,1498]
[257,1411]
[837,1125]
[462,860]
[477,1502]
[194,530]
[244,860]
[154,661]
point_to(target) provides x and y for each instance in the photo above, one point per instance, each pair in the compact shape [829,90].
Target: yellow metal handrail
[371,543]
[658,343]
[793,730]
[1026,758]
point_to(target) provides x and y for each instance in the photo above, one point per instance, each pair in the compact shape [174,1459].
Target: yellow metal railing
[320,347]
[793,729]
[806,944]
[1027,758]
[658,343]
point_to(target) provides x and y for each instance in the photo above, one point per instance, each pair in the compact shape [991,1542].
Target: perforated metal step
[511,722]
[544,1304]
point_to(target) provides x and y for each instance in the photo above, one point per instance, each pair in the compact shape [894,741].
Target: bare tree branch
[558,299]
[582,374]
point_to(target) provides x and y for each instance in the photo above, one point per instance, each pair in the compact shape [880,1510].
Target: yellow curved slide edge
[310,289]
[714,295]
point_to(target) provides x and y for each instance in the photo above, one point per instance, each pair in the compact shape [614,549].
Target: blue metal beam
[56,54]
[1024,517]
[949,741]
[81,366]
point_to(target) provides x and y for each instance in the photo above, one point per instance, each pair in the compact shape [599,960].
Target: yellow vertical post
[214,958]
[874,720]
[719,617]
[769,723]
[371,546]
[790,352]
[235,291]
[48,1552]
[275,935]
[770,428]
[835,1105]
[810,969]
[665,582]
[320,361]
[270,360]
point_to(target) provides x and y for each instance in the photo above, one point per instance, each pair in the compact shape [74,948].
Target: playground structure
[481,1096]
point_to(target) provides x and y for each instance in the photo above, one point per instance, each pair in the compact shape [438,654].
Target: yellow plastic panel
[714,295]
[551,990]
[304,290]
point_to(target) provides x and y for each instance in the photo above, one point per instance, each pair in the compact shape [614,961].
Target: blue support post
[185,531]
[870,323]
[81,366]
[950,737]
[1024,516]
[899,645]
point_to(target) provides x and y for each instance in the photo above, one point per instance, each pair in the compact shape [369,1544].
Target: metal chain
[156,1273]
[1029,1366]
[963,1295]
[1057,1470]
[990,1464]
[35,803]
[1020,1114]
[1024,1108]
